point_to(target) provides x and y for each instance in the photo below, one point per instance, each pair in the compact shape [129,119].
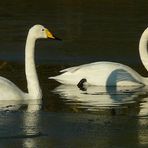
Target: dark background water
[95,30]
[91,30]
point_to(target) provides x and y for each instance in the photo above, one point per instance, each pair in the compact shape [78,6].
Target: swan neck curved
[34,89]
[143,49]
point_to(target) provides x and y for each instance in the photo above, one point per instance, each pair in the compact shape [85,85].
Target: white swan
[107,73]
[8,90]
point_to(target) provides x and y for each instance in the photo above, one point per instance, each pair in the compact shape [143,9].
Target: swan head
[39,31]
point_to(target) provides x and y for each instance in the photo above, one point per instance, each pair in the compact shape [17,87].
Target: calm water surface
[67,116]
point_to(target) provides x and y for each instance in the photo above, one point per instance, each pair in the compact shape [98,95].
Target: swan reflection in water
[94,98]
[31,123]
[21,119]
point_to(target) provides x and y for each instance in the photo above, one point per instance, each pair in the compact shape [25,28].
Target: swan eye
[43,29]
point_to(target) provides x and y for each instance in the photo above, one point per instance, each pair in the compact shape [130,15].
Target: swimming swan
[8,90]
[107,73]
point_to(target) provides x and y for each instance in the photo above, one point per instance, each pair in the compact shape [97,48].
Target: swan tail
[57,78]
[66,79]
[50,77]
[54,78]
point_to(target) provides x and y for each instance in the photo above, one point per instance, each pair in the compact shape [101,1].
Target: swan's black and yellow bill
[51,36]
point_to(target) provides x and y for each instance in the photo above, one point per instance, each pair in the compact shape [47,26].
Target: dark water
[67,116]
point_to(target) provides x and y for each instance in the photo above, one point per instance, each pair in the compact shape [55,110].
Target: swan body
[101,73]
[107,73]
[8,90]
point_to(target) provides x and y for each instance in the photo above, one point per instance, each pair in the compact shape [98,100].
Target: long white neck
[143,48]
[34,89]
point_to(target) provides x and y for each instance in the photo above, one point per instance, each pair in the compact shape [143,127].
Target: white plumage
[107,73]
[8,90]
